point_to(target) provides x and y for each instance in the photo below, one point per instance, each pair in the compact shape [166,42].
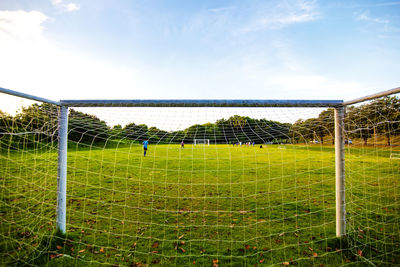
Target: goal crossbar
[201,103]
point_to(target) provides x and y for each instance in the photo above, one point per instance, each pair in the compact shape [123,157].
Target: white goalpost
[111,182]
[201,142]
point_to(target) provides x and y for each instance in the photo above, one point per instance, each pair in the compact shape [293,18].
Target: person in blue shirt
[145,143]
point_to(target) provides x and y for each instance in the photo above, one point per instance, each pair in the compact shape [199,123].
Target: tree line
[38,124]
[380,117]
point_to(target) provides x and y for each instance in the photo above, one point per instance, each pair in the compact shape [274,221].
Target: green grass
[194,206]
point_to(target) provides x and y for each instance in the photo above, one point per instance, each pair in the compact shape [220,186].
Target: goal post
[340,173]
[201,142]
[62,169]
[228,204]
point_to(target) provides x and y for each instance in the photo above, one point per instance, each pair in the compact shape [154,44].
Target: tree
[176,136]
[384,115]
[85,128]
[41,120]
[295,131]
[116,132]
[156,135]
[326,120]
[358,124]
[196,131]
[6,123]
[136,132]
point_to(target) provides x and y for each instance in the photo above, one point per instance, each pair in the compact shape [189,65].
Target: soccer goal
[201,142]
[77,188]
[395,154]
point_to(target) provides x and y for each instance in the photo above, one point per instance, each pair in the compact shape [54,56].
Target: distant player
[145,143]
[182,144]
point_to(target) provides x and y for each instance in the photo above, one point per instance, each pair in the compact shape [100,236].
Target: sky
[98,49]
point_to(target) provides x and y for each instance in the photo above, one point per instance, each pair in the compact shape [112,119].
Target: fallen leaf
[194,262]
[155,245]
[182,242]
[181,236]
[154,252]
[310,248]
[182,249]
[359,252]
[134,244]
[247,247]
[286,263]
[262,260]
[315,254]
[82,250]
[59,247]
[215,261]
[102,250]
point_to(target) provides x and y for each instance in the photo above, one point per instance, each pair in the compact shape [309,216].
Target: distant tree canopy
[85,128]
[38,123]
[314,128]
[378,117]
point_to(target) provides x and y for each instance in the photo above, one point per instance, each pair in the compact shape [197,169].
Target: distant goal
[205,142]
[395,154]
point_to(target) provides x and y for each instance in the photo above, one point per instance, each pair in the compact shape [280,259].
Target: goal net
[201,142]
[268,201]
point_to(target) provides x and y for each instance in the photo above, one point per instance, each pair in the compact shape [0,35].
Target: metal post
[340,173]
[62,169]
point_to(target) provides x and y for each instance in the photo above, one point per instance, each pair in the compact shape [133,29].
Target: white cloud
[21,25]
[282,15]
[71,7]
[32,64]
[366,17]
[68,7]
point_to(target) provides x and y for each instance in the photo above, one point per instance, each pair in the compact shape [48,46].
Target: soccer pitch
[201,205]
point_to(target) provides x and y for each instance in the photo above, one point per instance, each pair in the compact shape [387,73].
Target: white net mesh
[263,192]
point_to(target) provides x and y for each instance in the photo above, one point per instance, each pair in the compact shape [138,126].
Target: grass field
[217,205]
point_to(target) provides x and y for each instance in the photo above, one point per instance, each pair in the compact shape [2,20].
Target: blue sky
[199,49]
